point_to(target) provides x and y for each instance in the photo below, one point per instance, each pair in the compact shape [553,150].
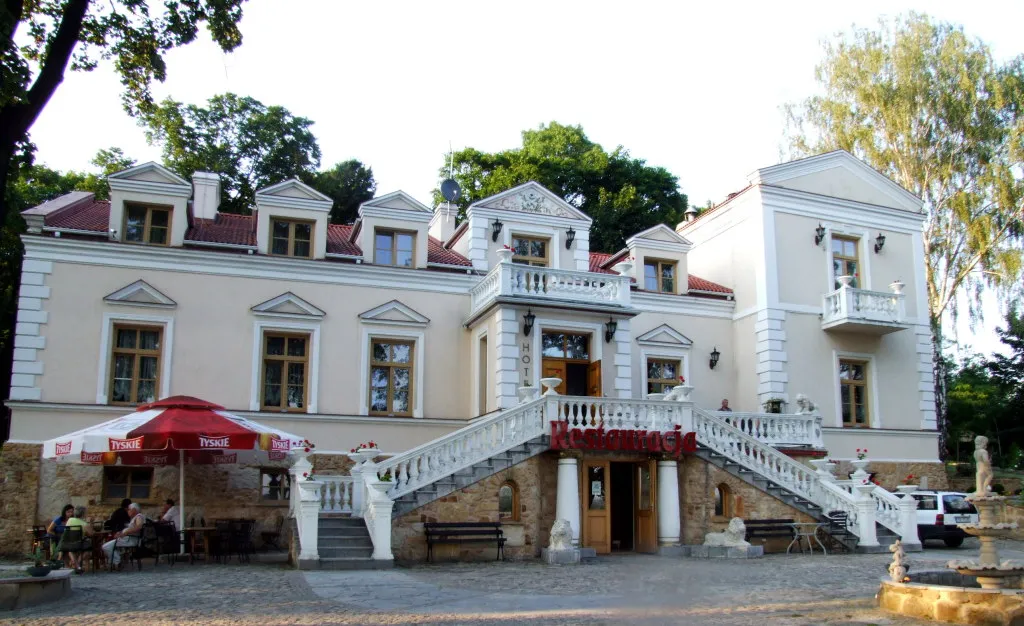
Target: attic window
[660,276]
[291,238]
[394,248]
[147,224]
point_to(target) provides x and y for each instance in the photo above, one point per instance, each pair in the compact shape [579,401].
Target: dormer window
[392,247]
[530,251]
[291,238]
[660,276]
[147,224]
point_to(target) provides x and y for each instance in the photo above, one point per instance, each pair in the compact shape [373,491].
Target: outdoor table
[100,537]
[190,540]
[808,530]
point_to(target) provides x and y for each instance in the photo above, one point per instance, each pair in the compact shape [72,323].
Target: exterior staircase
[344,543]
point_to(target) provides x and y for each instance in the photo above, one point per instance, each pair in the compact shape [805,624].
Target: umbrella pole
[181,497]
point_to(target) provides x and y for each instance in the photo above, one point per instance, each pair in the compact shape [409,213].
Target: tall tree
[249,144]
[928,107]
[623,195]
[349,184]
[57,33]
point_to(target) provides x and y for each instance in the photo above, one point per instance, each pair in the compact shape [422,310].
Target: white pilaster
[29,337]
[308,518]
[567,502]
[622,341]
[925,377]
[770,335]
[506,365]
[668,503]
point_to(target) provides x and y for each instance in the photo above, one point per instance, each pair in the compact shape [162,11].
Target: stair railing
[463,448]
[336,493]
[737,446]
[898,514]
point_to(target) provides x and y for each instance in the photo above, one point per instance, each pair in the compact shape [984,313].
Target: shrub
[998,488]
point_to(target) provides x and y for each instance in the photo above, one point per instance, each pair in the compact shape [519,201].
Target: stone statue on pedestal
[733,537]
[898,568]
[561,535]
[983,467]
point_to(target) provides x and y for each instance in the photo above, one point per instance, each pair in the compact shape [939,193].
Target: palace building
[504,369]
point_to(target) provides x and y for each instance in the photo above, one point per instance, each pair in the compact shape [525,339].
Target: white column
[308,518]
[865,515]
[908,523]
[507,322]
[567,503]
[378,517]
[668,503]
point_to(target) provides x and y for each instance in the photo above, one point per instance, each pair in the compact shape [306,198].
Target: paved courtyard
[795,589]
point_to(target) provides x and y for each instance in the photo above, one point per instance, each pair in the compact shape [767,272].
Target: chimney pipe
[205,195]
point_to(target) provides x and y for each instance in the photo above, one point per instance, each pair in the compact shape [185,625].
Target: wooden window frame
[566,334]
[136,354]
[514,515]
[291,236]
[285,360]
[106,497]
[147,227]
[392,365]
[393,233]
[534,261]
[725,495]
[285,487]
[850,382]
[663,381]
[658,265]
[844,259]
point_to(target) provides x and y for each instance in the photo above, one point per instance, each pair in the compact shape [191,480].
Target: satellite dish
[450,190]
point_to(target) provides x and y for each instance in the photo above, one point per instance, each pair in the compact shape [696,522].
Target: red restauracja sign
[673,442]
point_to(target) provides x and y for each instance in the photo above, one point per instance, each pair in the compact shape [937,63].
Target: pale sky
[694,87]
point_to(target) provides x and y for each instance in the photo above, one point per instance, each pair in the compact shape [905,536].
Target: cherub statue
[983,467]
[898,568]
[804,404]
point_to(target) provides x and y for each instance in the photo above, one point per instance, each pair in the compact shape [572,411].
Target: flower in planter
[311,475]
[909,480]
[507,247]
[862,454]
[682,380]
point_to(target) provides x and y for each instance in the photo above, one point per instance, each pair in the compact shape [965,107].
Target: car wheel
[954,542]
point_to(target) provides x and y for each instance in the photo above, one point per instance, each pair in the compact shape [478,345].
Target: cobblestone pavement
[780,589]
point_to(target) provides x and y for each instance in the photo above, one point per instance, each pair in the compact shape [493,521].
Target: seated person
[120,517]
[171,513]
[86,544]
[130,536]
[56,527]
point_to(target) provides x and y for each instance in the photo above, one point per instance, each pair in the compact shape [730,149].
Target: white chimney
[205,195]
[442,224]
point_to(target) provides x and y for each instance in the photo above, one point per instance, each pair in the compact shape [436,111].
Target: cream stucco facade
[749,282]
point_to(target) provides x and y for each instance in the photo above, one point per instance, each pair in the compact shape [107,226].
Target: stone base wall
[536,479]
[697,482]
[19,481]
[962,605]
[891,474]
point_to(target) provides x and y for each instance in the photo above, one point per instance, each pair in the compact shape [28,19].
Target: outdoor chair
[240,538]
[220,541]
[167,542]
[41,540]
[74,541]
[837,531]
[272,538]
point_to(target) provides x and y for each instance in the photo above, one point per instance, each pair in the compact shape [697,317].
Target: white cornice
[251,266]
[150,187]
[683,305]
[525,218]
[814,205]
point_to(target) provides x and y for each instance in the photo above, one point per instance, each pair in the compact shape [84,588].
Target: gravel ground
[780,589]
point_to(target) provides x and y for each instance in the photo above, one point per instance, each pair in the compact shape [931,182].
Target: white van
[938,513]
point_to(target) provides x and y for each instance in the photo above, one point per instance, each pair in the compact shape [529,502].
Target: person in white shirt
[171,513]
[130,536]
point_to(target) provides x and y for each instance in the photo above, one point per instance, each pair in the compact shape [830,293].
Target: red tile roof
[599,259]
[338,236]
[94,216]
[225,228]
[436,253]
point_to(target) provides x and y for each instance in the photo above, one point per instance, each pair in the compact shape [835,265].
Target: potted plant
[39,569]
[505,254]
[364,452]
[908,485]
[773,405]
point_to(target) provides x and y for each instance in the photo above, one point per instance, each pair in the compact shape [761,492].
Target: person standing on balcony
[725,405]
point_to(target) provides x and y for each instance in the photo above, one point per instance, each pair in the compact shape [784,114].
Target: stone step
[354,563]
[346,542]
[345,552]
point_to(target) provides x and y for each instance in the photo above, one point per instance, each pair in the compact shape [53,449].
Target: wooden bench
[768,528]
[464,532]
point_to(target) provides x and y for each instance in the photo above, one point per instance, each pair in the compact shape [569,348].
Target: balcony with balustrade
[529,285]
[849,309]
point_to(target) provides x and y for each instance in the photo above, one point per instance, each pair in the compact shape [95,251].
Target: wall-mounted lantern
[609,330]
[496,229]
[570,236]
[879,242]
[528,320]
[819,234]
[714,357]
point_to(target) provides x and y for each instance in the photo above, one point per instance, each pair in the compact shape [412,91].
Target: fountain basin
[982,531]
[948,596]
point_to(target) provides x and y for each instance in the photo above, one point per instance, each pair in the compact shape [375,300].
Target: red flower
[373,445]
[352,450]
[306,449]
[305,474]
[682,380]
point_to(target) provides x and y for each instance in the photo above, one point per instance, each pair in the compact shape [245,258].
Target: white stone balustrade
[778,429]
[336,493]
[622,414]
[898,514]
[512,279]
[849,305]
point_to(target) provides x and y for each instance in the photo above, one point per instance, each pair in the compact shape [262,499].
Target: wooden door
[645,507]
[555,368]
[594,388]
[597,520]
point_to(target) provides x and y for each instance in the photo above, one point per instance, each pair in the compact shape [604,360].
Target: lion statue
[804,405]
[734,535]
[561,535]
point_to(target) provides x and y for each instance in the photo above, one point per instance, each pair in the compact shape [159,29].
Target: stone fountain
[988,569]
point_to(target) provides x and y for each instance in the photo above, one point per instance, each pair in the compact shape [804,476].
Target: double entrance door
[619,508]
[567,356]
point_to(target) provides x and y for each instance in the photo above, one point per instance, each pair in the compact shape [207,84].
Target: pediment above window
[150,178]
[532,198]
[396,314]
[140,293]
[293,194]
[659,236]
[288,305]
[396,202]
[664,336]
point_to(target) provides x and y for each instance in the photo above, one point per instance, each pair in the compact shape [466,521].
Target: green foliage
[349,184]
[249,144]
[621,194]
[928,107]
